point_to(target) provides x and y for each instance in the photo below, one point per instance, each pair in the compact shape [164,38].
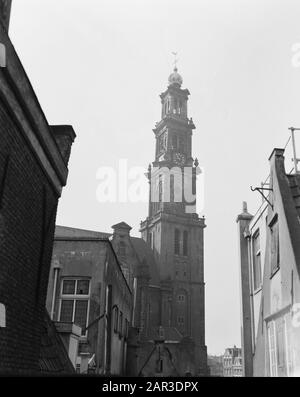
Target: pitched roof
[145,254]
[62,232]
[54,358]
[122,225]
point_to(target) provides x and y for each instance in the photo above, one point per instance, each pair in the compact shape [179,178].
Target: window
[177,242]
[116,318]
[151,240]
[121,324]
[180,320]
[175,105]
[174,142]
[185,243]
[160,366]
[172,188]
[160,190]
[181,145]
[126,329]
[181,298]
[256,261]
[275,260]
[74,302]
[279,352]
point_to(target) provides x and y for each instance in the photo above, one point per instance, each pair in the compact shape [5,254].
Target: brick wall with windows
[32,173]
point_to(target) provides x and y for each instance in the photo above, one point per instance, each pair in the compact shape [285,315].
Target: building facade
[232,362]
[33,171]
[215,364]
[174,232]
[87,288]
[270,263]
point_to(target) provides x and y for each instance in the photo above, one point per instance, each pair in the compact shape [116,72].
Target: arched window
[116,318]
[174,142]
[181,298]
[175,106]
[120,324]
[160,190]
[185,243]
[177,242]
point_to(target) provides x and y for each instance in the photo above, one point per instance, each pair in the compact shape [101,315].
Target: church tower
[173,229]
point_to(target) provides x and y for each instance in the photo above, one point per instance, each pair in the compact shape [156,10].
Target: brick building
[88,288]
[269,262]
[33,171]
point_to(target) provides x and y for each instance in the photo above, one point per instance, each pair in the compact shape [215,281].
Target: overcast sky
[100,65]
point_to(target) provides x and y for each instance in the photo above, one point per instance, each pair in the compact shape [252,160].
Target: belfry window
[185,243]
[181,145]
[174,142]
[175,106]
[160,190]
[177,242]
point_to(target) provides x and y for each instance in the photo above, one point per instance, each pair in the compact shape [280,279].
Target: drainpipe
[56,267]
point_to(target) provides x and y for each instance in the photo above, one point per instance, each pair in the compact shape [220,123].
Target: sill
[274,272]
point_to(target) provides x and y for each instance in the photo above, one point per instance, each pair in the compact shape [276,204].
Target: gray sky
[100,65]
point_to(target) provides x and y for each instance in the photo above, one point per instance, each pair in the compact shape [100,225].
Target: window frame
[120,323]
[75,297]
[255,256]
[177,240]
[274,241]
[185,244]
[115,319]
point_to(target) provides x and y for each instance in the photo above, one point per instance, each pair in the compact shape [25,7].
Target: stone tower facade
[173,229]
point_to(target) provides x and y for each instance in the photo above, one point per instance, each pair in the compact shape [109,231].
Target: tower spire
[175,61]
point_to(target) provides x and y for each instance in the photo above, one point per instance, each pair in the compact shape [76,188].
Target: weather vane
[175,59]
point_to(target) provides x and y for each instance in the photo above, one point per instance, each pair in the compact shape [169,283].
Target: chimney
[5,7]
[122,229]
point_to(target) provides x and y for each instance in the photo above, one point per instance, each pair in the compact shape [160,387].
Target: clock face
[179,158]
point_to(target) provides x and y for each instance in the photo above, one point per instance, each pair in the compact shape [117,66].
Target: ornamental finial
[175,61]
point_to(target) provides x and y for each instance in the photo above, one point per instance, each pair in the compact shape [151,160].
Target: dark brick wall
[27,219]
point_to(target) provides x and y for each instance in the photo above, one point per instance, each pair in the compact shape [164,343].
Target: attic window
[275,254]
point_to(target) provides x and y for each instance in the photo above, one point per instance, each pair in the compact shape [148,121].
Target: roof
[122,225]
[145,254]
[54,358]
[289,190]
[64,232]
